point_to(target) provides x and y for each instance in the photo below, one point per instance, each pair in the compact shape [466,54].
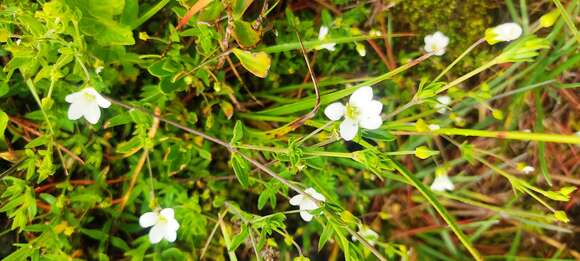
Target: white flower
[86,103]
[368,234]
[436,43]
[321,36]
[444,101]
[361,110]
[434,127]
[528,169]
[164,225]
[442,183]
[306,204]
[99,69]
[503,33]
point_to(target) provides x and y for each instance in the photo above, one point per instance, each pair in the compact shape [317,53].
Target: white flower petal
[372,108]
[170,235]
[322,32]
[434,127]
[372,122]
[361,96]
[312,192]
[436,43]
[308,204]
[168,213]
[92,113]
[156,234]
[528,169]
[348,129]
[334,111]
[444,99]
[172,224]
[296,200]
[442,183]
[508,31]
[306,216]
[76,111]
[148,219]
[73,97]
[104,103]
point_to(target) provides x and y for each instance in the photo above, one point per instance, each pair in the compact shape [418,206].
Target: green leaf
[244,34]
[239,7]
[256,63]
[238,132]
[327,233]
[423,152]
[42,140]
[119,243]
[3,123]
[561,216]
[239,238]
[379,135]
[241,169]
[107,32]
[95,234]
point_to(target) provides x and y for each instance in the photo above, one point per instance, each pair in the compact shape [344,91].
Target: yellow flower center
[89,97]
[434,47]
[351,112]
[162,219]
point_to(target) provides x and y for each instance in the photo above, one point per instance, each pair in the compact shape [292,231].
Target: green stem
[152,11]
[478,42]
[309,153]
[311,44]
[567,19]
[468,75]
[510,135]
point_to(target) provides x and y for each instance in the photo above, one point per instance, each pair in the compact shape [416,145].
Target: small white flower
[164,225]
[436,43]
[503,33]
[19,41]
[99,69]
[528,169]
[434,127]
[368,234]
[306,204]
[442,183]
[361,110]
[86,103]
[443,102]
[321,36]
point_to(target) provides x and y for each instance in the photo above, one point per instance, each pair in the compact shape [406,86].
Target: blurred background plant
[236,70]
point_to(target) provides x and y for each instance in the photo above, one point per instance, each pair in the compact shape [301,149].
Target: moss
[463,21]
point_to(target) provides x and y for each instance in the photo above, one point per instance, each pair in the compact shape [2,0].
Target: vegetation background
[215,115]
